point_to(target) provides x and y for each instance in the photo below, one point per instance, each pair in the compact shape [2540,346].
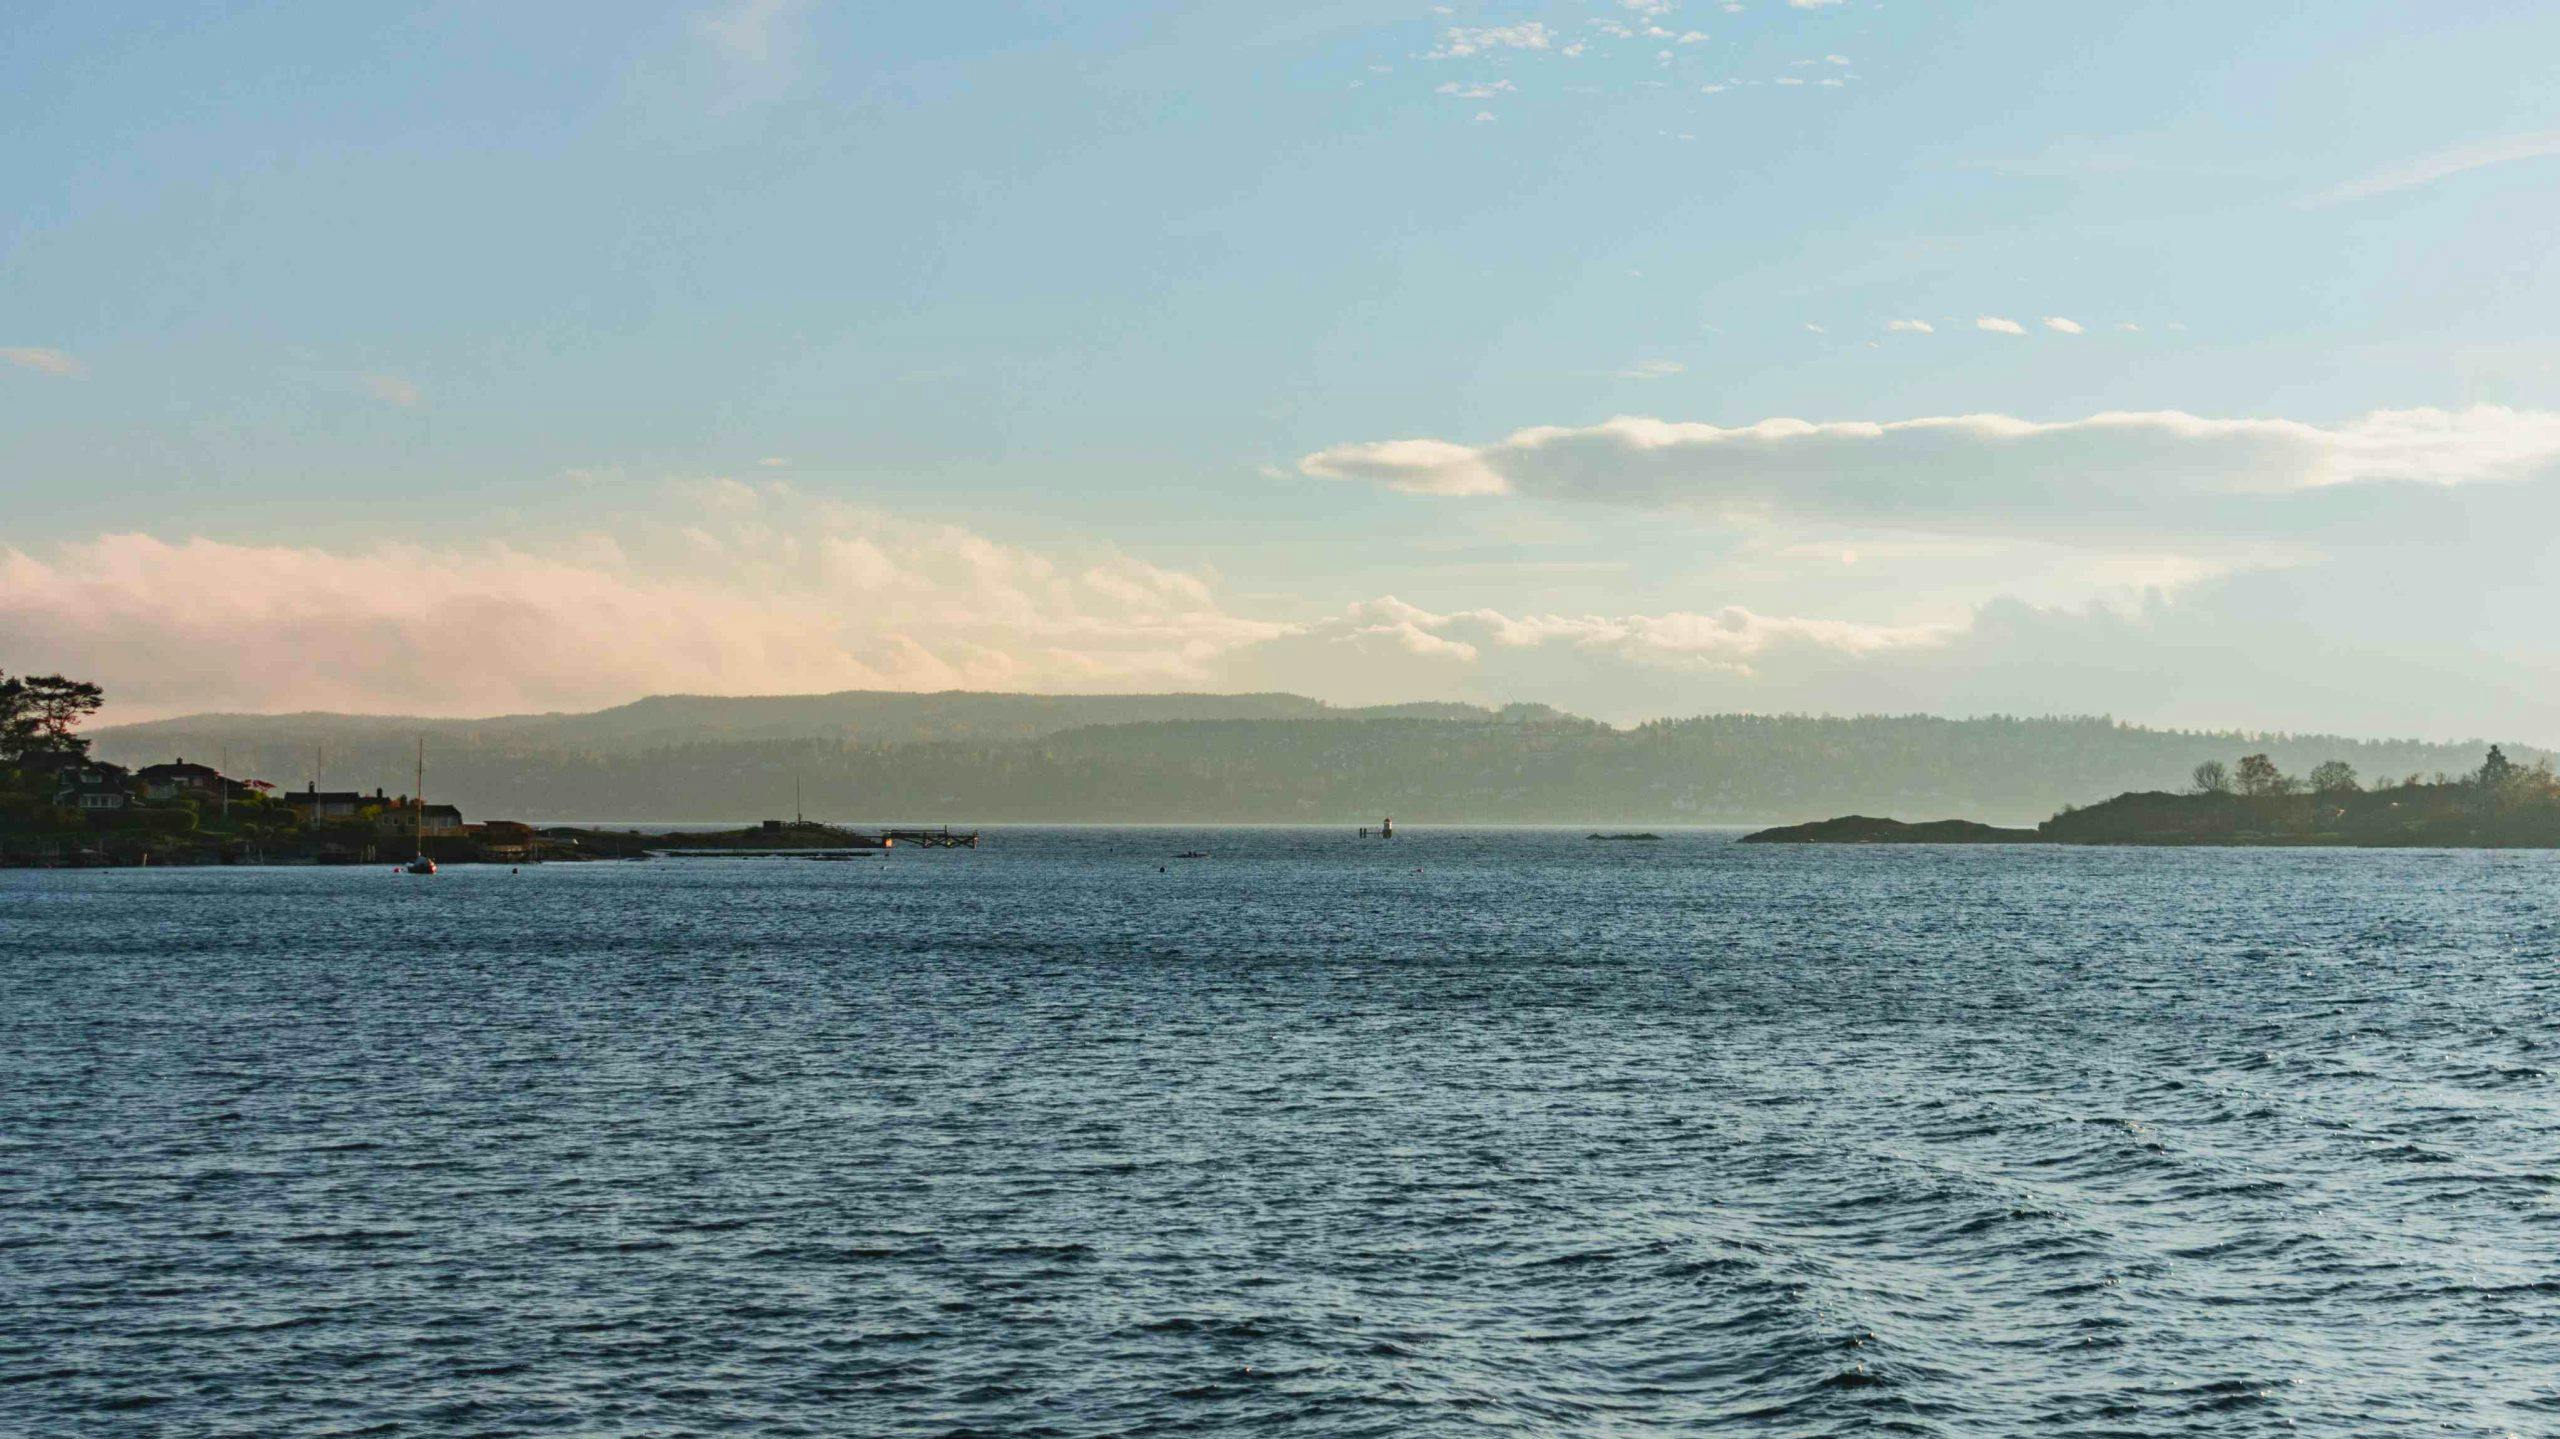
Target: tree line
[2258,777]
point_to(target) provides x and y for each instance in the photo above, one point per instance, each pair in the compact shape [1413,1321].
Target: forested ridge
[1267,759]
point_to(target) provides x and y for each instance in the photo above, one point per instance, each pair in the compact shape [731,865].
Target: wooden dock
[943,838]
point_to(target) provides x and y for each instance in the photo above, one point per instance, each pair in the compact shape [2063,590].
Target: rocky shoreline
[2495,809]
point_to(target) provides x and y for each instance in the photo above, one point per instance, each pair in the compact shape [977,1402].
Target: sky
[2193,363]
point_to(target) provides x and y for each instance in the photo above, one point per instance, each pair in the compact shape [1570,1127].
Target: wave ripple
[1475,1133]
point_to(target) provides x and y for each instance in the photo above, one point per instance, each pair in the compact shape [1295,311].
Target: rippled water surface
[1466,1133]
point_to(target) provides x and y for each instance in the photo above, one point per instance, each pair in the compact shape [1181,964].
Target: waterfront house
[315,805]
[92,787]
[400,816]
[179,780]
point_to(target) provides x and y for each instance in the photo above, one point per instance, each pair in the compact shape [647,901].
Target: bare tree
[2259,776]
[2213,777]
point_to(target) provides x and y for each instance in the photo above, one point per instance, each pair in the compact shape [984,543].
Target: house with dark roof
[315,805]
[91,786]
[180,779]
[400,816]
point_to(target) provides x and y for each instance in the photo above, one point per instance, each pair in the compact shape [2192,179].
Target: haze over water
[1471,1133]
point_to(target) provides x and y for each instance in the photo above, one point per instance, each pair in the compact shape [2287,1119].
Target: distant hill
[660,720]
[994,758]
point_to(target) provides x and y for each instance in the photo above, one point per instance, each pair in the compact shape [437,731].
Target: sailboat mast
[421,794]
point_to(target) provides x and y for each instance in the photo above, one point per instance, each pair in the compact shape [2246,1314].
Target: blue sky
[761,345]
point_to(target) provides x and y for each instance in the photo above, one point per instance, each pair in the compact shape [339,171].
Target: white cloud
[1652,370]
[736,589]
[1460,41]
[392,390]
[42,360]
[2444,165]
[1386,649]
[1693,37]
[1814,4]
[736,586]
[775,462]
[1837,59]
[1648,7]
[1480,90]
[2160,473]
[1812,328]
[1998,326]
[2062,326]
[1726,638]
[1419,467]
[1484,117]
[1911,327]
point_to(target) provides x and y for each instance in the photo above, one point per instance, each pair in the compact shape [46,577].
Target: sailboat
[421,864]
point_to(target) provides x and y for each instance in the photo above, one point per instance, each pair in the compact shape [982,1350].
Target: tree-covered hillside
[998,758]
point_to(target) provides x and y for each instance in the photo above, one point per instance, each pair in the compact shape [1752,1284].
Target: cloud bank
[760,591]
[2156,472]
[1963,564]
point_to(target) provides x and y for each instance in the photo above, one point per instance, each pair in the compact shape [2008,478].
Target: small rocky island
[1866,829]
[2501,805]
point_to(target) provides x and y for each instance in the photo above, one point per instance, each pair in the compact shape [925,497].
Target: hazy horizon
[114,721]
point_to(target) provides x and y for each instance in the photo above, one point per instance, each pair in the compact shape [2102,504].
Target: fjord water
[1466,1133]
